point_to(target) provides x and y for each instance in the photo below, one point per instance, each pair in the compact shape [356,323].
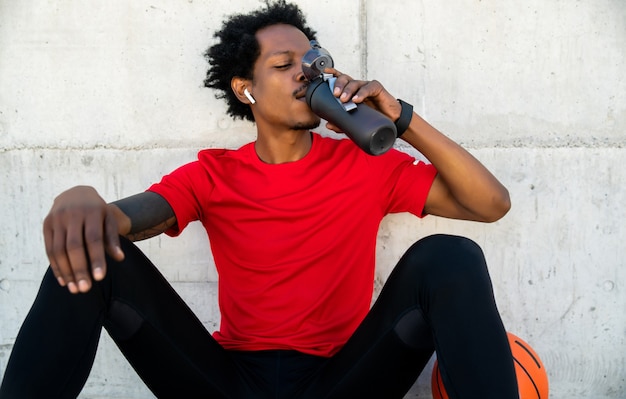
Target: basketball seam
[529,353]
[529,377]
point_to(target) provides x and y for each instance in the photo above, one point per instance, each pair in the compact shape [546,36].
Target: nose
[300,77]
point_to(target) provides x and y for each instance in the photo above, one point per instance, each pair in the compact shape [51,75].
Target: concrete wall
[110,94]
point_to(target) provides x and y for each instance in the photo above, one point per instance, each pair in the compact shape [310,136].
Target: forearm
[463,188]
[143,215]
[468,181]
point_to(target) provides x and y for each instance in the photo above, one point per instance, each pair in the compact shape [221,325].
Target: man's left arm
[464,188]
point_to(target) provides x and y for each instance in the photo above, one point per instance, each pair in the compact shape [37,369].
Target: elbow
[501,205]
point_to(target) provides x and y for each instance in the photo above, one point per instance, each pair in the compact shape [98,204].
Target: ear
[239,86]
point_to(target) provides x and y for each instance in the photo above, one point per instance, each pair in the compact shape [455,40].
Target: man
[292,220]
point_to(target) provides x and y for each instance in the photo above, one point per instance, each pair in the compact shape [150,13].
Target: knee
[447,261]
[444,250]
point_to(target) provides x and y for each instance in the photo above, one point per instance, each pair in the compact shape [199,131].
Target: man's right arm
[81,227]
[148,215]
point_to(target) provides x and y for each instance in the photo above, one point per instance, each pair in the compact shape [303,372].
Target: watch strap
[406,114]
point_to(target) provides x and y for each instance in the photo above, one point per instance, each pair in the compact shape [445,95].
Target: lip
[300,93]
[301,97]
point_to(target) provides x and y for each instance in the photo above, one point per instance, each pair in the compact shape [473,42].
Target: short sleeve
[186,189]
[405,182]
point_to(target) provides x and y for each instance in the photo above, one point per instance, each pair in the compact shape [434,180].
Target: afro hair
[237,49]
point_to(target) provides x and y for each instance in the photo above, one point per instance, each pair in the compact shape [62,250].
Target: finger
[333,127]
[350,90]
[335,72]
[48,238]
[76,254]
[340,82]
[112,238]
[59,256]
[94,244]
[346,88]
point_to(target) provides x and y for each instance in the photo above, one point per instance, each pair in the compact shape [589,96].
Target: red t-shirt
[294,243]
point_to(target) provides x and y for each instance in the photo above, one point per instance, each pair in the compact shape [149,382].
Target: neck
[289,146]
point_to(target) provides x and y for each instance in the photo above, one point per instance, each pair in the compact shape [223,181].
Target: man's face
[279,84]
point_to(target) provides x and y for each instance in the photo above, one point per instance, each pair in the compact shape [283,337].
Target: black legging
[439,296]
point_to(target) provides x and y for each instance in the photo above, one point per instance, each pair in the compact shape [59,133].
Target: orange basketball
[532,379]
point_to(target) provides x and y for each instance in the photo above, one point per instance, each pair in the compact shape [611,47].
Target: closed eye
[284,66]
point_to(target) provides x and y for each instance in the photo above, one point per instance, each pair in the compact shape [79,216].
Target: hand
[371,93]
[78,230]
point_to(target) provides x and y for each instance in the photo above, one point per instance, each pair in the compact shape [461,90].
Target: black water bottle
[372,131]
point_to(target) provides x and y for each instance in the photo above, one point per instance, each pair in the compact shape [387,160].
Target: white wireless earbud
[248,95]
